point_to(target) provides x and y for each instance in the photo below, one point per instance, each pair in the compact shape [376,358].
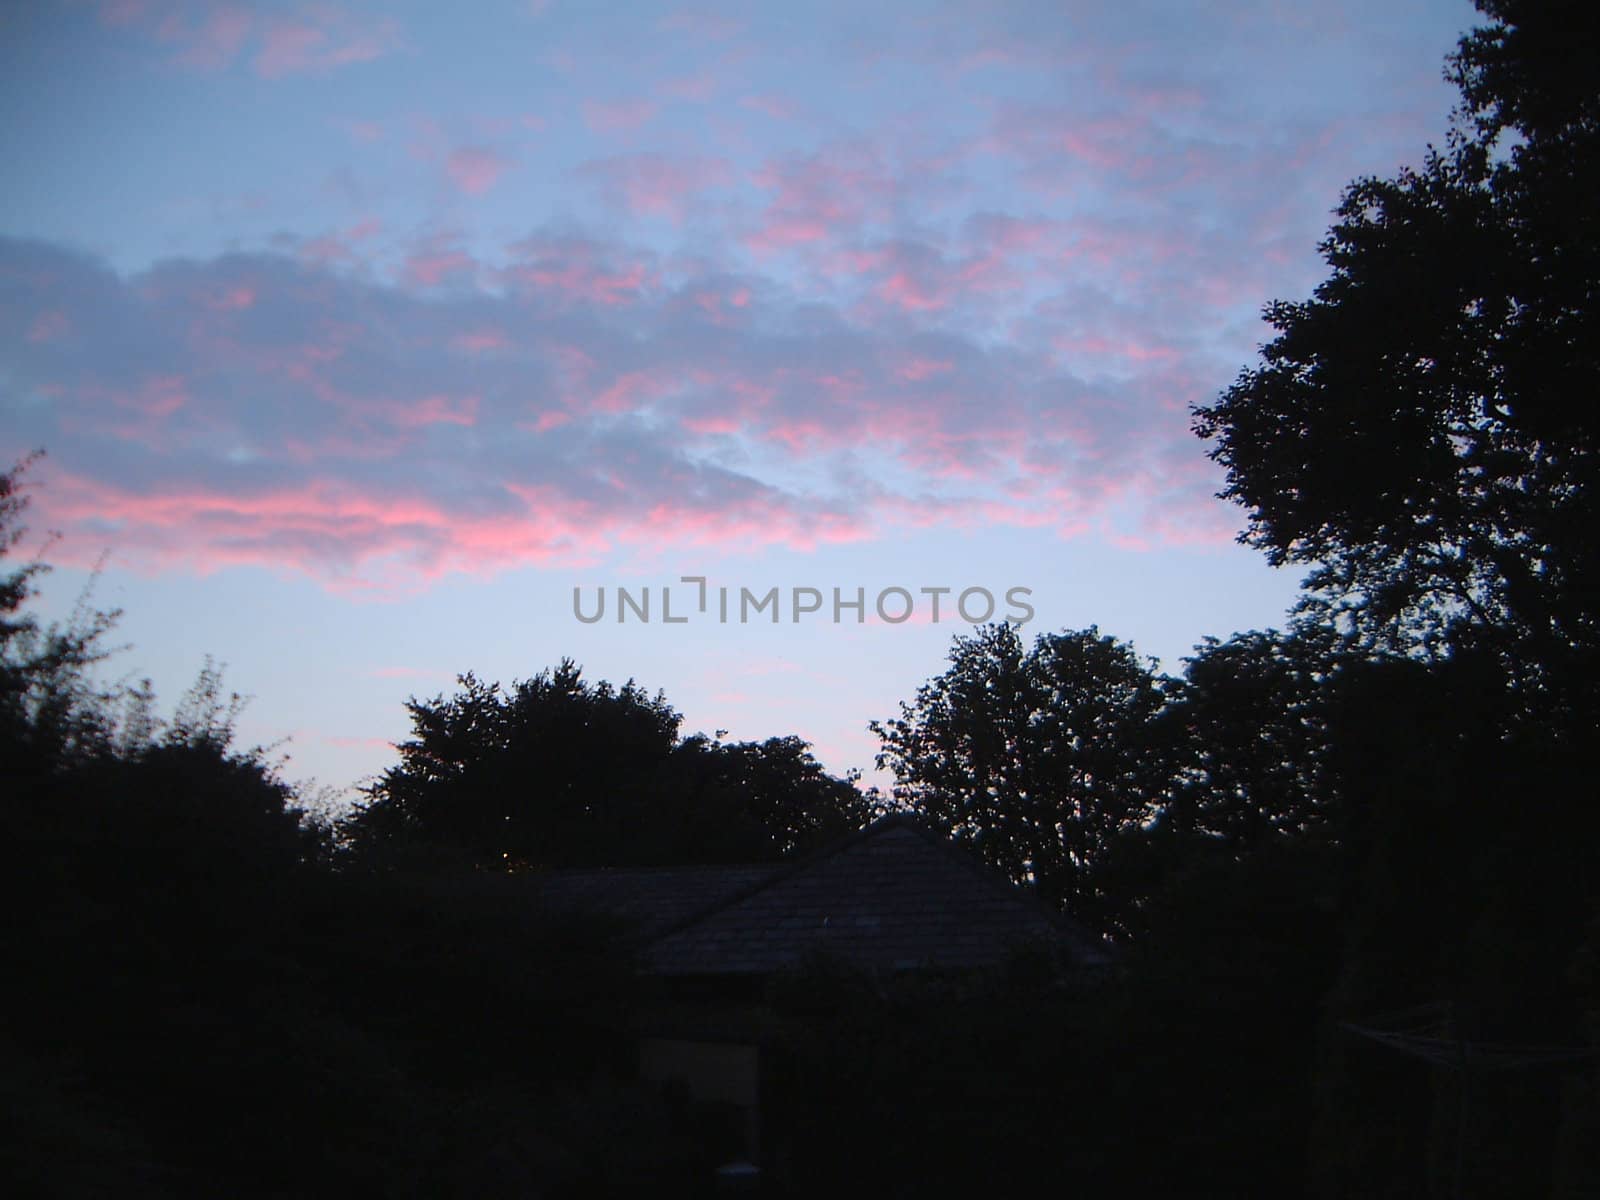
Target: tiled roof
[894,896]
[649,899]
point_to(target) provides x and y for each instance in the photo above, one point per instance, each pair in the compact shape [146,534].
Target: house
[894,897]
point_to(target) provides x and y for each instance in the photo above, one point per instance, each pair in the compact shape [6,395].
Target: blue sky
[358,336]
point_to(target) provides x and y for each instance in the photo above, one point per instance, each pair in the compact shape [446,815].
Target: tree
[558,772]
[1421,432]
[780,790]
[1038,758]
[1422,435]
[1249,724]
[51,710]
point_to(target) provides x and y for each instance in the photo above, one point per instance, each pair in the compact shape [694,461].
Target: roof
[650,900]
[894,896]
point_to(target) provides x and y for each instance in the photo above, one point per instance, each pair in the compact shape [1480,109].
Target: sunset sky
[358,336]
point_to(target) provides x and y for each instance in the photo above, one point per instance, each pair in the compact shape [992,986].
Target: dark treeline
[1347,867]
[211,991]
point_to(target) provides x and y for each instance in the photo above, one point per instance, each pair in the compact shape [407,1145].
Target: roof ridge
[785,870]
[991,878]
[997,882]
[661,868]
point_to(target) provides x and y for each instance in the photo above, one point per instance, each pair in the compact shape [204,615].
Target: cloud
[656,185]
[621,116]
[574,400]
[475,169]
[213,35]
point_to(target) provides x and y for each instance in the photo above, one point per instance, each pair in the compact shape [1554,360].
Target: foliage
[558,772]
[1421,431]
[1249,724]
[1039,757]
[197,1004]
[51,707]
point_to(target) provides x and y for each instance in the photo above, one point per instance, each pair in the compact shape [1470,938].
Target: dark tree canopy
[558,772]
[1039,757]
[1422,433]
[1248,724]
[1423,430]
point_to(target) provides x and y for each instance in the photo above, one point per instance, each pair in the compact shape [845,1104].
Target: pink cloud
[713,425]
[572,405]
[632,391]
[551,420]
[436,261]
[365,131]
[779,108]
[918,369]
[437,410]
[698,88]
[233,299]
[210,35]
[575,271]
[116,13]
[475,169]
[1131,349]
[623,116]
[49,326]
[908,292]
[479,341]
[656,184]
[821,197]
[701,26]
[214,42]
[326,40]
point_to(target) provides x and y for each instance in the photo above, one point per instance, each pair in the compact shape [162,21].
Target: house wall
[714,1073]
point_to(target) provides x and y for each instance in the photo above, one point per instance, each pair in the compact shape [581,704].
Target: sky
[360,338]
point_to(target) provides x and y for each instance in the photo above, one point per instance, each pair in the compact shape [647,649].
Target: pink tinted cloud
[631,391]
[213,41]
[475,169]
[320,40]
[579,271]
[656,184]
[621,116]
[701,26]
[49,326]
[821,197]
[437,410]
[319,527]
[547,421]
[698,88]
[385,432]
[918,369]
[779,108]
[234,299]
[211,36]
[436,261]
[342,246]
[479,341]
[366,132]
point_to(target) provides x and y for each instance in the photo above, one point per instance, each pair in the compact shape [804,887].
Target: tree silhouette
[1420,431]
[1249,724]
[1040,758]
[558,772]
